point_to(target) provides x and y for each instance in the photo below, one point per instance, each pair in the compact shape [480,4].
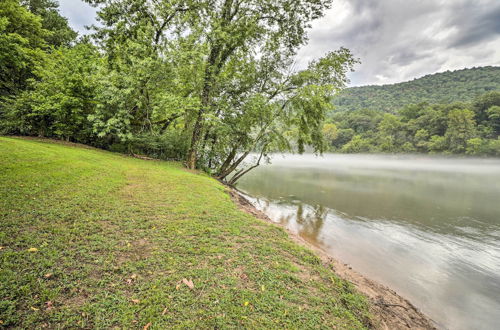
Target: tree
[434,119]
[476,146]
[461,128]
[60,34]
[59,103]
[493,114]
[407,147]
[391,133]
[330,133]
[364,120]
[494,147]
[344,135]
[483,103]
[263,36]
[21,47]
[437,144]
[233,60]
[357,145]
[421,139]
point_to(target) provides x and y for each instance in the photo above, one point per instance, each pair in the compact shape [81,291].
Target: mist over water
[428,227]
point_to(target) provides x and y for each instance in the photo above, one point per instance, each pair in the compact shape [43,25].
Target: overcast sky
[396,40]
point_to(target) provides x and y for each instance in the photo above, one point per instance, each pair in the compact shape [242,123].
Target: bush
[494,147]
[357,144]
[476,146]
[437,143]
[169,146]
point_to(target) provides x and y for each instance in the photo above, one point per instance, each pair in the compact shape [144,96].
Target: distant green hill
[446,87]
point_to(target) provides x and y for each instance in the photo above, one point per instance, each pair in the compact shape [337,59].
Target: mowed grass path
[92,239]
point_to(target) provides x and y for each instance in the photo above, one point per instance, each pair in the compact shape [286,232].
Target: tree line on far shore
[454,128]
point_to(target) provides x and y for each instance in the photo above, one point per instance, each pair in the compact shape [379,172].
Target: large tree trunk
[227,162]
[219,53]
[192,155]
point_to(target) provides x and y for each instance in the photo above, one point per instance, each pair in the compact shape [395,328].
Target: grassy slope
[115,236]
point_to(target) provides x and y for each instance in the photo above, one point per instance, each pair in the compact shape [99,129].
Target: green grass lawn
[92,239]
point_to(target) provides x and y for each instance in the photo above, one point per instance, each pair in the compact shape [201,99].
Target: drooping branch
[233,166]
[166,122]
[241,173]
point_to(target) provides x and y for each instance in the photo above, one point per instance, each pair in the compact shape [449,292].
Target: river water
[427,227]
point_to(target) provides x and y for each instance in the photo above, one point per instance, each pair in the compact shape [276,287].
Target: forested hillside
[446,87]
[471,128]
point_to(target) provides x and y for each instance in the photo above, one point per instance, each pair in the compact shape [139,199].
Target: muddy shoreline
[390,310]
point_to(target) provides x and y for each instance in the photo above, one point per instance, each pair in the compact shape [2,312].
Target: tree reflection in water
[308,220]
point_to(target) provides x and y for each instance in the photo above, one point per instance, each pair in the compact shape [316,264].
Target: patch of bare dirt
[130,189]
[138,250]
[390,310]
[143,157]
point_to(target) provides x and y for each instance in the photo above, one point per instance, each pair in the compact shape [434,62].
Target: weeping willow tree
[221,74]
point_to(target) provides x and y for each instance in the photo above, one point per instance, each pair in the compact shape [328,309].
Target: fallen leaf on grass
[32,250]
[146,327]
[189,283]
[34,309]
[131,279]
[135,301]
[48,275]
[164,311]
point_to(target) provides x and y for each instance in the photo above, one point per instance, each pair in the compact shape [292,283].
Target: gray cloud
[476,26]
[399,40]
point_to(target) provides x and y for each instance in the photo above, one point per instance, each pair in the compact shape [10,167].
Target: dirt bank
[390,310]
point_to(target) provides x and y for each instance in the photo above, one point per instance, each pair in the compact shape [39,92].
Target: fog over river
[428,227]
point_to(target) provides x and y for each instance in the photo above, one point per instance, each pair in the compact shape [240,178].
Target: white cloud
[79,14]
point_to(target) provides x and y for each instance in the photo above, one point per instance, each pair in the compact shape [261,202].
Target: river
[427,227]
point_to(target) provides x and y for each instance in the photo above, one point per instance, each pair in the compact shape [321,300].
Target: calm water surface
[427,227]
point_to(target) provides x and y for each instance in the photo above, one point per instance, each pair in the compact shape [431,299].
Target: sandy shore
[390,310]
